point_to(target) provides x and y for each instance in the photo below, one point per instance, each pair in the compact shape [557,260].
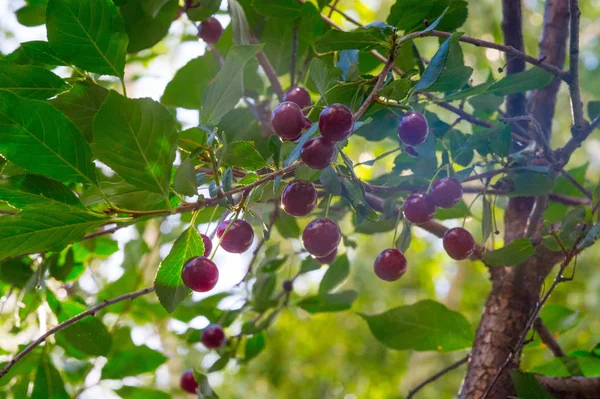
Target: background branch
[437,375]
[548,339]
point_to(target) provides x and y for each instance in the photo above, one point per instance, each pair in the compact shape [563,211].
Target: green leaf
[319,75]
[228,87]
[425,326]
[80,105]
[560,319]
[354,193]
[335,275]
[336,302]
[248,179]
[530,184]
[348,63]
[359,39]
[512,254]
[24,190]
[205,10]
[124,195]
[43,228]
[34,130]
[130,360]
[409,15]
[534,78]
[243,154]
[95,28]
[437,63]
[48,383]
[590,237]
[451,79]
[254,346]
[15,272]
[239,23]
[396,90]
[487,224]
[128,392]
[136,138]
[594,109]
[262,290]
[309,264]
[188,86]
[405,238]
[287,226]
[89,335]
[33,14]
[331,181]
[30,81]
[184,181]
[146,29]
[206,391]
[40,53]
[221,363]
[527,386]
[168,284]
[278,8]
[458,211]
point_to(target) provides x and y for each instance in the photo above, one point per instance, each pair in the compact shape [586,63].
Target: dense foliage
[312,145]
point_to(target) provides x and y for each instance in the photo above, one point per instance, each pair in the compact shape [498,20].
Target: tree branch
[548,339]
[574,89]
[67,323]
[571,387]
[512,30]
[437,375]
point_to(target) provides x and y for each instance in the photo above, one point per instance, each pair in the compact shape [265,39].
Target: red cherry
[336,122]
[207,244]
[390,265]
[413,129]
[321,237]
[327,259]
[318,153]
[188,382]
[410,150]
[418,208]
[239,237]
[210,30]
[458,243]
[300,96]
[200,274]
[299,198]
[287,121]
[213,336]
[446,192]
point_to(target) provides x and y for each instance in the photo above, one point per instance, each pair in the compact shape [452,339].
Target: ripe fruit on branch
[413,129]
[207,244]
[210,30]
[336,122]
[327,259]
[239,237]
[318,153]
[299,198]
[213,336]
[390,265]
[299,96]
[458,243]
[321,237]
[188,382]
[418,208]
[446,192]
[200,274]
[288,121]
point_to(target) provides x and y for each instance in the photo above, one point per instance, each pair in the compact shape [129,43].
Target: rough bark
[515,291]
[512,30]
[571,387]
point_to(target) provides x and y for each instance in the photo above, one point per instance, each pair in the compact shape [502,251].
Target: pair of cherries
[213,337]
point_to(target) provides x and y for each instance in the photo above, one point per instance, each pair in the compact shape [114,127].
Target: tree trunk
[515,291]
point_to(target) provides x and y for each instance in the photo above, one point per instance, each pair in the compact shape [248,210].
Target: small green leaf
[560,319]
[254,346]
[89,335]
[425,326]
[331,181]
[262,290]
[228,87]
[221,363]
[335,275]
[136,138]
[335,302]
[404,239]
[451,79]
[40,53]
[248,179]
[239,23]
[43,228]
[437,63]
[534,78]
[319,75]
[34,130]
[530,184]
[348,63]
[168,284]
[187,87]
[95,28]
[458,211]
[33,14]
[487,225]
[132,361]
[204,388]
[145,29]
[359,39]
[30,81]
[124,195]
[309,264]
[278,8]
[184,181]
[396,90]
[512,254]
[205,10]
[295,154]
[129,392]
[48,383]
[527,386]
[594,109]
[25,190]
[243,154]
[409,15]
[590,237]
[287,226]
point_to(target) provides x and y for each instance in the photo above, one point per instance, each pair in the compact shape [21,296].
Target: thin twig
[570,178]
[380,81]
[541,137]
[335,2]
[548,339]
[437,375]
[574,90]
[343,14]
[90,312]
[269,71]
